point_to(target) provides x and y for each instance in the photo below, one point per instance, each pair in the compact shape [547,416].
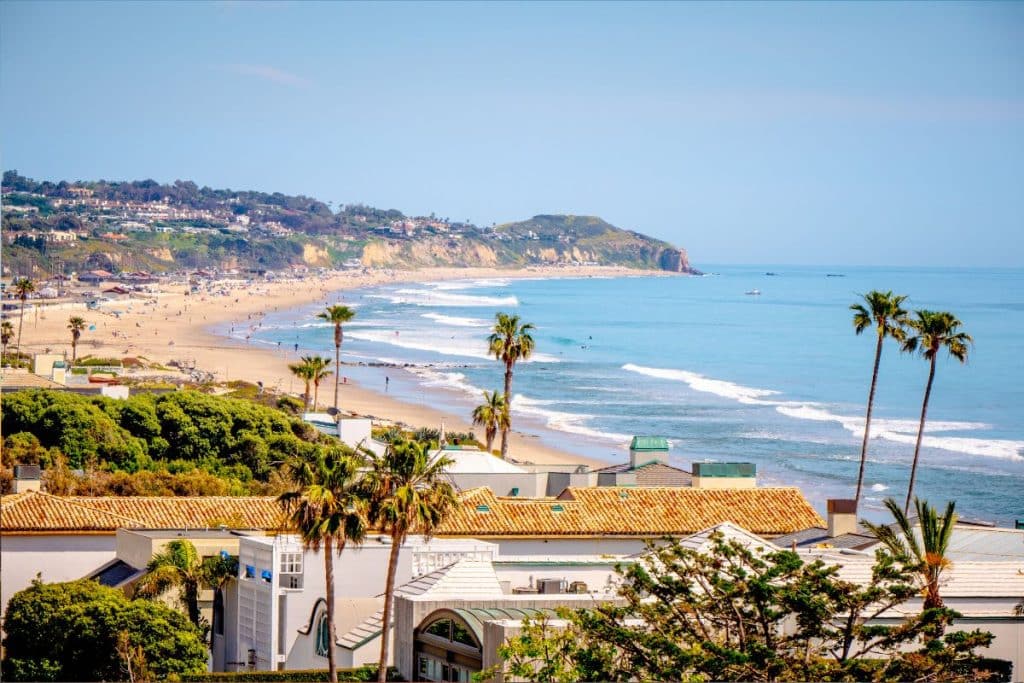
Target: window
[440,628]
[323,636]
[291,563]
[460,634]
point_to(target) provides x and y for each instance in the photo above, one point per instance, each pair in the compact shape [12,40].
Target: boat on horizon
[753,292]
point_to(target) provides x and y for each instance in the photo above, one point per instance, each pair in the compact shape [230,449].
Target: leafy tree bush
[72,424]
[733,612]
[78,631]
[362,673]
[208,436]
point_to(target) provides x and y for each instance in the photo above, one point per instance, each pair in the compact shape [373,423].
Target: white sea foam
[899,431]
[738,392]
[433,297]
[456,321]
[422,340]
[573,423]
[879,487]
[467,348]
[467,284]
[455,381]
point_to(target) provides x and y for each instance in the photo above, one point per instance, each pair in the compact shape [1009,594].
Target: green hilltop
[144,225]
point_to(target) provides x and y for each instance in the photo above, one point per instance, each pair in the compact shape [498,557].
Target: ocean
[778,379]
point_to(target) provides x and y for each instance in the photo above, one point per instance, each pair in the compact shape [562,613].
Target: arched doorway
[447,647]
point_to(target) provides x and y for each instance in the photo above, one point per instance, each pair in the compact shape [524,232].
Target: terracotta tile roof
[651,474]
[40,512]
[631,511]
[15,381]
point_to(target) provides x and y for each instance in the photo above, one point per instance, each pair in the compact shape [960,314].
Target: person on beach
[387,382]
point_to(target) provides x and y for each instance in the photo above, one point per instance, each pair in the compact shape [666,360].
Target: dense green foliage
[78,631]
[736,612]
[362,673]
[171,434]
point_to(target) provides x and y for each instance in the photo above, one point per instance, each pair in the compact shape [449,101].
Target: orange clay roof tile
[631,511]
[41,512]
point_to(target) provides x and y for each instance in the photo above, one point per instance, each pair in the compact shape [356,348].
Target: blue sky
[866,133]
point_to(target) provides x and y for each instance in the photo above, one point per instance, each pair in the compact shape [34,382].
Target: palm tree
[177,566]
[931,331]
[22,287]
[927,554]
[6,334]
[492,415]
[509,342]
[303,371]
[883,310]
[318,370]
[326,508]
[337,315]
[76,325]
[407,494]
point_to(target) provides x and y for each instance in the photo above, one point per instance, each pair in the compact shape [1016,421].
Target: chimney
[842,517]
[27,478]
[646,449]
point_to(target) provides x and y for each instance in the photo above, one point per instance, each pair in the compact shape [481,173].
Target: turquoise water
[778,379]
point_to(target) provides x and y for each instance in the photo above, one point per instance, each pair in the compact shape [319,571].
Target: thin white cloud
[271,74]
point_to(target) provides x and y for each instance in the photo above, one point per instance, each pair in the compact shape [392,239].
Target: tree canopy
[82,631]
[737,612]
[175,432]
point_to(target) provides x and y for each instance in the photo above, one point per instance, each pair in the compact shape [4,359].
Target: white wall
[56,557]
[567,546]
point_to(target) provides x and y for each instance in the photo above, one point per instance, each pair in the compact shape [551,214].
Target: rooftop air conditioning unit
[550,586]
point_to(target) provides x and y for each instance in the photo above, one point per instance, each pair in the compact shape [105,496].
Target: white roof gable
[477,462]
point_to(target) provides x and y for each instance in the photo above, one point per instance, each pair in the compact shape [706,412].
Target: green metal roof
[475,616]
[724,469]
[649,443]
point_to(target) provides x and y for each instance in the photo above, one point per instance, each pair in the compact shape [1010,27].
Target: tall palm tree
[6,334]
[408,493]
[303,371]
[326,508]
[884,311]
[509,342]
[177,566]
[22,287]
[76,325]
[927,553]
[337,315]
[318,366]
[492,415]
[930,332]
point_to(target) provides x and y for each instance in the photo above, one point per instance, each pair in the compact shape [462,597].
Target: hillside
[144,225]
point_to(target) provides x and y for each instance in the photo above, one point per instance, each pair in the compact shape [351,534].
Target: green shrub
[71,632]
[363,673]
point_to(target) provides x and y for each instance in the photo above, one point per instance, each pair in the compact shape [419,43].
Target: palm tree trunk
[508,403]
[867,421]
[316,395]
[337,372]
[74,349]
[192,602]
[332,666]
[389,597]
[21,321]
[489,435]
[306,397]
[920,433]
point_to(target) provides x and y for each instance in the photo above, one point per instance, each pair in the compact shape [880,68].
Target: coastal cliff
[143,225]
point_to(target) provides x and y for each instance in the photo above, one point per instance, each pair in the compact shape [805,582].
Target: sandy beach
[174,325]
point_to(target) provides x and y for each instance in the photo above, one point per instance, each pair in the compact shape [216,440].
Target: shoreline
[158,332]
